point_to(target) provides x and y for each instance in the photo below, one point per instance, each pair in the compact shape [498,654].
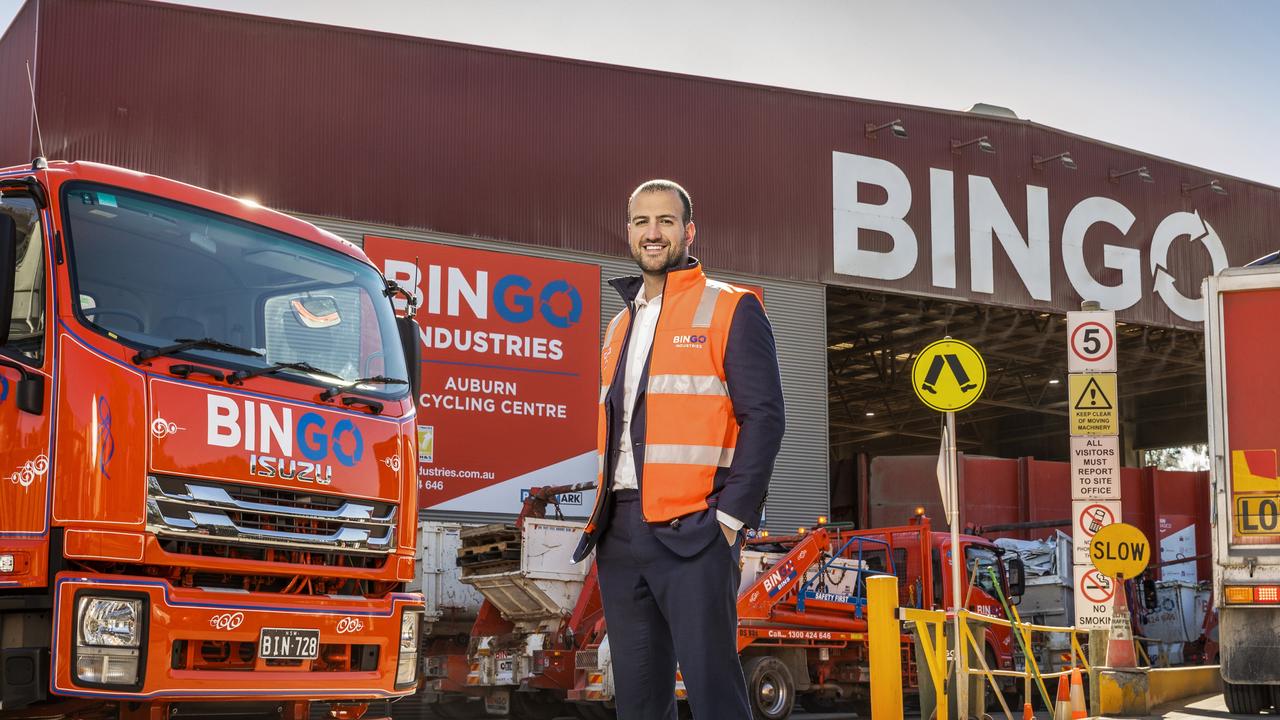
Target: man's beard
[672,261]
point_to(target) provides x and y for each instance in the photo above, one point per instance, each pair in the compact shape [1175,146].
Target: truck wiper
[240,376]
[189,344]
[383,379]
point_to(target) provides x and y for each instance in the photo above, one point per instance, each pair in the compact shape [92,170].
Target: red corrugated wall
[17,49]
[999,491]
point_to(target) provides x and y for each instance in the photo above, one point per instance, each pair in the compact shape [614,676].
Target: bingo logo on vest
[688,341]
[271,436]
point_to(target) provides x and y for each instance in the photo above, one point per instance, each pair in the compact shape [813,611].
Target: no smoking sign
[1091,341]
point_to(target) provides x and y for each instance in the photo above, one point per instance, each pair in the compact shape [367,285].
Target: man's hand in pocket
[730,535]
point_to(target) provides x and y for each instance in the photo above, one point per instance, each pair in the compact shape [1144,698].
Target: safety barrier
[929,628]
[885,638]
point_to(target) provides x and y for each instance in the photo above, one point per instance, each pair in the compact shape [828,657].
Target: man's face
[658,238]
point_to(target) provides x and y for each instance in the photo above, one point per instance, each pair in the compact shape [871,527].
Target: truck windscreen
[154,272]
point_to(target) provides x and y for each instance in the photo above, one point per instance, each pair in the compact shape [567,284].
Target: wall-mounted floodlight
[1038,162]
[983,144]
[1142,172]
[1213,185]
[895,126]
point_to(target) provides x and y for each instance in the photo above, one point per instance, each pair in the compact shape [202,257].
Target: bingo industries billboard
[510,375]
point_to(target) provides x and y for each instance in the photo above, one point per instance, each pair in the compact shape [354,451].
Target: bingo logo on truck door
[270,439]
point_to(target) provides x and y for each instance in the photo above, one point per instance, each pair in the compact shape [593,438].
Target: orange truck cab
[207,454]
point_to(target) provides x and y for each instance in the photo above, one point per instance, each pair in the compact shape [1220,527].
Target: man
[690,422]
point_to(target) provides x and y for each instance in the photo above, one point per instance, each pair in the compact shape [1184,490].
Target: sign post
[948,376]
[1093,406]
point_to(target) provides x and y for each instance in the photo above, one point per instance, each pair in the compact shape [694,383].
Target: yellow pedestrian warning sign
[948,375]
[1093,404]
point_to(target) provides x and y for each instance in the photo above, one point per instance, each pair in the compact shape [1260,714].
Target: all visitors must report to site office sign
[510,347]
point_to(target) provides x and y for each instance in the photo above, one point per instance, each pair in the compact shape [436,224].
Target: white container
[547,585]
[1178,616]
[437,575]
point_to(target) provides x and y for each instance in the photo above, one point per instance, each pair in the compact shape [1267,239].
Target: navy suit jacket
[755,389]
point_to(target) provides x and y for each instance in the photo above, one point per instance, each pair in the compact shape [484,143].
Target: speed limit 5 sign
[1091,341]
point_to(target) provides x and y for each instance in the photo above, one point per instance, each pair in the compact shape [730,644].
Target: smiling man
[690,421]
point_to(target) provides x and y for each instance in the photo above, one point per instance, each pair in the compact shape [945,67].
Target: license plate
[288,644]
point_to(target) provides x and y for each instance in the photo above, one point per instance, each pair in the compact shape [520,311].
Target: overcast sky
[1191,81]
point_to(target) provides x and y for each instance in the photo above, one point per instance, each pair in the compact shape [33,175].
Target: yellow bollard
[884,646]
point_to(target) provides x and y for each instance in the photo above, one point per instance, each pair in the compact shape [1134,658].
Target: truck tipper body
[1241,351]
[207,490]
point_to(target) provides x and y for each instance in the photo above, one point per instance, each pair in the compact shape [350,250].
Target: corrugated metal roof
[494,144]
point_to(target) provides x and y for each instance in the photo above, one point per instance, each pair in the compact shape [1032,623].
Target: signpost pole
[949,375]
[957,559]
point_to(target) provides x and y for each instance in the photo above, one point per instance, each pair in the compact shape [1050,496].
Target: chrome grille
[272,517]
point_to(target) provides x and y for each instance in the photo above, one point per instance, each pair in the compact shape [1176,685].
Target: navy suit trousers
[660,606]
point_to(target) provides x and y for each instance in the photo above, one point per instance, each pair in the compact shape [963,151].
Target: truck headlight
[109,633]
[407,666]
[110,622]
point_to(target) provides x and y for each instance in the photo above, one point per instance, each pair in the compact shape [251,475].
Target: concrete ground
[1201,708]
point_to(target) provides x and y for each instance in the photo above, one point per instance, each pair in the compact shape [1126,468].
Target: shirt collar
[641,302]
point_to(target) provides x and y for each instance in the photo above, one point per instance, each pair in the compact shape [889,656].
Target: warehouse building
[871,228]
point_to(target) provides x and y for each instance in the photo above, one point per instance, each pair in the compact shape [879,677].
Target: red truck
[207,490]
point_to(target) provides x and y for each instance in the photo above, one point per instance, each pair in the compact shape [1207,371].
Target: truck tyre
[770,688]
[1244,699]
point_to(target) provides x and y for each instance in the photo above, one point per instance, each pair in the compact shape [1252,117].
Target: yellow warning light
[1239,593]
[822,519]
[919,510]
[764,533]
[800,531]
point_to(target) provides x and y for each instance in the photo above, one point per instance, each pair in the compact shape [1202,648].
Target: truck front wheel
[1245,699]
[770,687]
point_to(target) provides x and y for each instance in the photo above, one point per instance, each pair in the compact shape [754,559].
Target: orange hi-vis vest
[690,428]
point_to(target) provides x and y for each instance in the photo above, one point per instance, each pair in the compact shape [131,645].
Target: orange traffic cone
[1077,696]
[1120,652]
[1062,708]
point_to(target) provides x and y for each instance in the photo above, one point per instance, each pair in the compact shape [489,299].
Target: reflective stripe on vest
[688,455]
[685,385]
[707,305]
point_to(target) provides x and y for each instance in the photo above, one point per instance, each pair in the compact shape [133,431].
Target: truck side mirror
[1017,577]
[8,272]
[412,344]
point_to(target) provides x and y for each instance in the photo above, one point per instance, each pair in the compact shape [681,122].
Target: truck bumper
[201,643]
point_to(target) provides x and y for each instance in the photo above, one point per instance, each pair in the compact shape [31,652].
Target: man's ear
[689,231]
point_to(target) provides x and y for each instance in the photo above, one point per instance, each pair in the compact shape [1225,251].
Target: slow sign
[1120,551]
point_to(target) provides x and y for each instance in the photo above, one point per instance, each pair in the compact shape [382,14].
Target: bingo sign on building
[510,348]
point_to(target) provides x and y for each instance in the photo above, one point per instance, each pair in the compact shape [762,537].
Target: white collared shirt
[643,326]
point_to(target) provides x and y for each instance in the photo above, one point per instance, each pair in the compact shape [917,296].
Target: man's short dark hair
[664,186]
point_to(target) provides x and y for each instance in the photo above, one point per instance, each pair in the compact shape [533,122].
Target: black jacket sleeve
[755,388]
